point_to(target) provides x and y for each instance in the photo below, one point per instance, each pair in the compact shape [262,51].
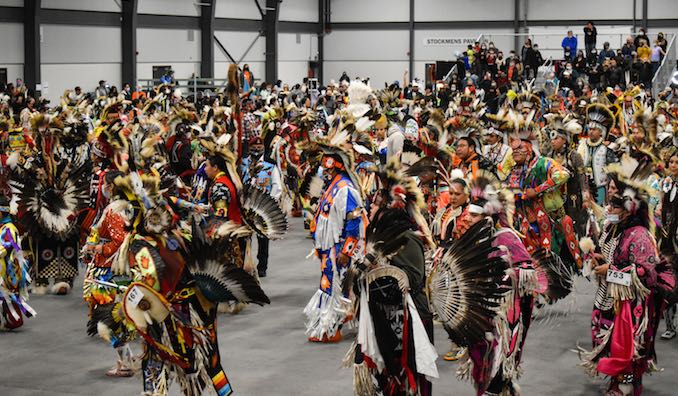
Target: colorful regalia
[627,305]
[338,230]
[14,277]
[177,281]
[51,193]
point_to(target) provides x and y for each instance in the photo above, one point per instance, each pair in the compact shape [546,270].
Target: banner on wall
[449,41]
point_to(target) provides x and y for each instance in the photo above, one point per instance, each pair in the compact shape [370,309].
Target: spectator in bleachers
[642,35]
[644,51]
[656,56]
[569,45]
[606,53]
[661,41]
[590,37]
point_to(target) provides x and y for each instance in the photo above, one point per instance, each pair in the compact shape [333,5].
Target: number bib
[134,296]
[618,277]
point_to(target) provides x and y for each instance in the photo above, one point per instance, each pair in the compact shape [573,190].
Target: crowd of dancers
[418,215]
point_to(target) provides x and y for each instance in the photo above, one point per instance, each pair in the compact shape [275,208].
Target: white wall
[236,43]
[169,7]
[293,57]
[79,55]
[299,10]
[369,10]
[12,3]
[431,53]
[662,9]
[581,9]
[240,9]
[381,55]
[12,49]
[87,5]
[171,47]
[458,10]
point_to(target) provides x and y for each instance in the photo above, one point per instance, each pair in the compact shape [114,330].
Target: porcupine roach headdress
[599,116]
[558,125]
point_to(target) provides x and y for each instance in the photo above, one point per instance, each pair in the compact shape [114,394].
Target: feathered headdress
[565,126]
[516,124]
[631,177]
[400,191]
[599,116]
[220,147]
[645,120]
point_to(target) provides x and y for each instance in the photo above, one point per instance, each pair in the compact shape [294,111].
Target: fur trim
[586,245]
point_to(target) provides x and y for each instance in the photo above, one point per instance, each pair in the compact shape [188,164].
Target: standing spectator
[491,60]
[127,91]
[538,56]
[614,74]
[101,90]
[590,36]
[656,56]
[569,45]
[580,62]
[645,73]
[661,41]
[642,35]
[606,53]
[501,62]
[167,78]
[27,113]
[246,78]
[644,51]
[250,124]
[529,59]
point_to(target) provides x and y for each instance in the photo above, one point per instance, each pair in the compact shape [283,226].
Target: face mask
[613,218]
[106,193]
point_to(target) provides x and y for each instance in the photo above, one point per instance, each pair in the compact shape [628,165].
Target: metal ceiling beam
[128,30]
[271,33]
[207,22]
[32,44]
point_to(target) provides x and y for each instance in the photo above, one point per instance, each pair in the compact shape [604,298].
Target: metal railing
[189,86]
[662,76]
[550,43]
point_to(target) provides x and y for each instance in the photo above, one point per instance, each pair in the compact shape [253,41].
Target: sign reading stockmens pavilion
[449,41]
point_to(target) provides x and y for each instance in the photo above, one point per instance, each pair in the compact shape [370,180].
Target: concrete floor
[265,352]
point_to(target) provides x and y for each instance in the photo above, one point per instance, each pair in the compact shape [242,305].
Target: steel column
[32,44]
[516,24]
[128,31]
[411,45]
[645,14]
[271,33]
[322,19]
[207,12]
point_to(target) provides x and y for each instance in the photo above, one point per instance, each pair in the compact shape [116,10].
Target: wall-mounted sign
[449,41]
